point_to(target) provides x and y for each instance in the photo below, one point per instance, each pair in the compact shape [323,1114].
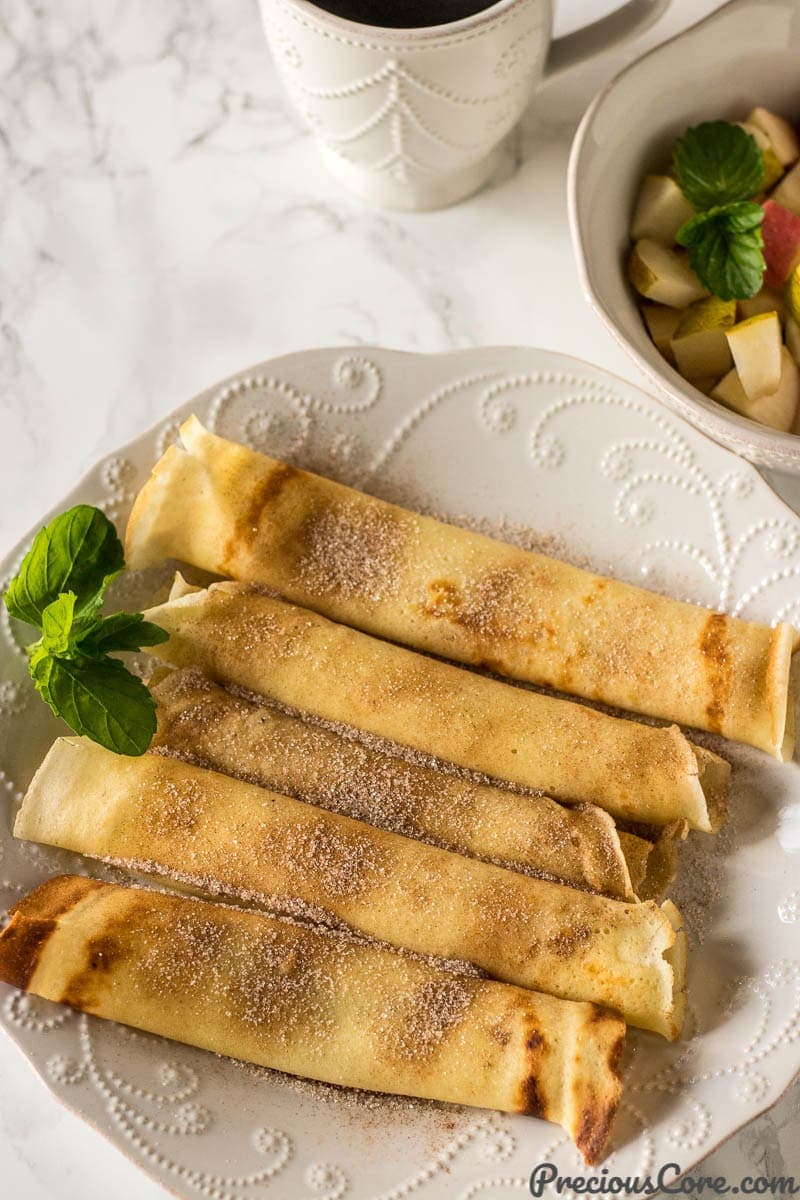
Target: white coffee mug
[415,118]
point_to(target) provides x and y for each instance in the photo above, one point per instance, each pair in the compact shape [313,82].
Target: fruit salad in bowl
[738,68]
[715,260]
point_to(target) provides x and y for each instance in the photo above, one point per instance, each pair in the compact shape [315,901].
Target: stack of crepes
[438,883]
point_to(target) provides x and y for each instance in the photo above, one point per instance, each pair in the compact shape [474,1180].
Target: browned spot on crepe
[495,606]
[102,953]
[32,922]
[443,599]
[495,665]
[246,524]
[486,606]
[592,1133]
[532,1099]
[717,661]
[598,1015]
[535,1041]
[532,1103]
[565,945]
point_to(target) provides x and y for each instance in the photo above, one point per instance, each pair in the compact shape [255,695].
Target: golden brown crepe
[167,818]
[315,1003]
[438,588]
[203,723]
[239,635]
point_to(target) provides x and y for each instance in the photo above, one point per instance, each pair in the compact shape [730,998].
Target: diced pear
[767,300]
[730,391]
[791,333]
[756,348]
[663,275]
[705,384]
[780,133]
[661,322]
[787,192]
[773,171]
[778,409]
[772,164]
[709,313]
[702,354]
[761,139]
[791,293]
[699,343]
[660,210]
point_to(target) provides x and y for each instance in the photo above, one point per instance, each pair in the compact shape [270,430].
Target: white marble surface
[163,221]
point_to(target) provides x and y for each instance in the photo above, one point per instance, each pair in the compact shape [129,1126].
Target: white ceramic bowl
[746,53]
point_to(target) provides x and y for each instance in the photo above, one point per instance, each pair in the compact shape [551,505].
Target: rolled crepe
[315,1003]
[167,818]
[237,634]
[653,864]
[412,579]
[203,723]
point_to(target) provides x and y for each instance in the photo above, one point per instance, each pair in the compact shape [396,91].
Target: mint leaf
[99,699]
[122,631]
[57,622]
[59,588]
[726,249]
[79,551]
[717,163]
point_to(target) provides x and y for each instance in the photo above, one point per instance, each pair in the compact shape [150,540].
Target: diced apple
[780,133]
[661,323]
[781,233]
[772,164]
[791,333]
[660,210]
[767,300]
[699,343]
[756,348]
[778,410]
[787,192]
[663,275]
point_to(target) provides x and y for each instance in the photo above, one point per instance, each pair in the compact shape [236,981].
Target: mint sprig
[77,552]
[59,589]
[717,163]
[725,245]
[720,168]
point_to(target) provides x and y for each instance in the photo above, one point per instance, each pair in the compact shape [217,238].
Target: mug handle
[573,48]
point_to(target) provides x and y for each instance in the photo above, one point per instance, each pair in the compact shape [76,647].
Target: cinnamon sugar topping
[353,549]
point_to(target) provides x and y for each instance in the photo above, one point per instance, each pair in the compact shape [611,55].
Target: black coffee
[404,14]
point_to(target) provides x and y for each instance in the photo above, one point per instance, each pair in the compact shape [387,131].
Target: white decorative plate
[604,475]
